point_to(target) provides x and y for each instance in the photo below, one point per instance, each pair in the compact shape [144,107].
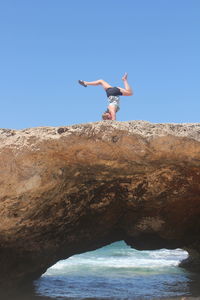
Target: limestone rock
[72,189]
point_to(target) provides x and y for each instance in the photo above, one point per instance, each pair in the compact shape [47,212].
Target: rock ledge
[67,190]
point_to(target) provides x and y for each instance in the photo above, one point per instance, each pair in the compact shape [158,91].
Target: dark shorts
[113,91]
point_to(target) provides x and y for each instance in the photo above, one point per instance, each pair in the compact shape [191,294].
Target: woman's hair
[106,116]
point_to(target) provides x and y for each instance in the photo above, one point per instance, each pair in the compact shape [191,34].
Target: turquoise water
[117,272]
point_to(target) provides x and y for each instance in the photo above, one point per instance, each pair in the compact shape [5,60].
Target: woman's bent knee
[104,84]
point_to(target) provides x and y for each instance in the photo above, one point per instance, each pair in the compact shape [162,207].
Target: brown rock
[72,189]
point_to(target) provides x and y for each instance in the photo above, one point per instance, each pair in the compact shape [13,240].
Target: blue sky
[47,45]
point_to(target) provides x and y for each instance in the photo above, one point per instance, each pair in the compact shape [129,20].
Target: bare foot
[125,76]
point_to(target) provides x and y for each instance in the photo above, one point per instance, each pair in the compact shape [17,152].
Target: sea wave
[116,272]
[112,259]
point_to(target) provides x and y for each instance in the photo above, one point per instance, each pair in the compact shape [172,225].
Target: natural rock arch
[73,189]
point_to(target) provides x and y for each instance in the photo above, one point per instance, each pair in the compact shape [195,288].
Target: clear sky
[47,45]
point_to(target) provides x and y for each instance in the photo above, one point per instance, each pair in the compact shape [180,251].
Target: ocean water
[119,272]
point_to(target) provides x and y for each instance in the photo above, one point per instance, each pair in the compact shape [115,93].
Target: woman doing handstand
[113,94]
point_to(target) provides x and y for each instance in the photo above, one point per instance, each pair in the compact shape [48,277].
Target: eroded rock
[67,190]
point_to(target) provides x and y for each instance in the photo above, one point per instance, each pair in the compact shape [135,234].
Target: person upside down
[113,95]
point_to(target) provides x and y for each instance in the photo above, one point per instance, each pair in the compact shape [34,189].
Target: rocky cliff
[72,189]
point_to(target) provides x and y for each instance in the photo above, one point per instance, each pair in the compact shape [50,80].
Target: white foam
[119,256]
[137,259]
[165,253]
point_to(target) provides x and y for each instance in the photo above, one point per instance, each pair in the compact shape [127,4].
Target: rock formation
[68,190]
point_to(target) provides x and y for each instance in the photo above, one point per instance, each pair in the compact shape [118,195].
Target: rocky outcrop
[68,190]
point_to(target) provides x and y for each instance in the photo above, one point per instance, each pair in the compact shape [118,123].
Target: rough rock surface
[72,189]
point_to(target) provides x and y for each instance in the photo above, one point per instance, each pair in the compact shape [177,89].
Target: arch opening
[117,271]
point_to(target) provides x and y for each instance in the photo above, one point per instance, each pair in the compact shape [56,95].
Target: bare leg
[112,110]
[127,91]
[101,82]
